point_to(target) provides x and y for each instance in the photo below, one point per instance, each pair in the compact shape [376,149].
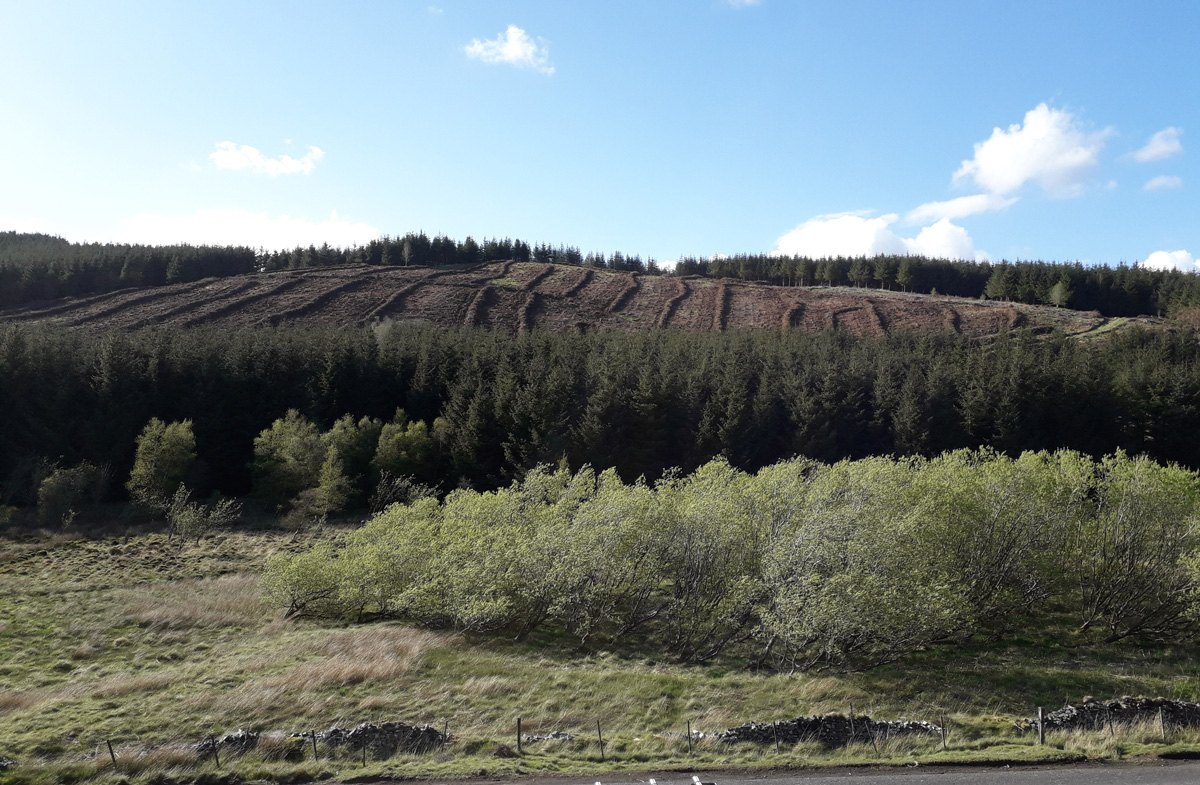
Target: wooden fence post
[775,733]
[1162,723]
[113,755]
[944,747]
[518,735]
[689,737]
[1041,726]
[601,737]
[314,741]
[851,721]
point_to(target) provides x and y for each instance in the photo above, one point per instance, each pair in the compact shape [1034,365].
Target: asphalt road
[1156,773]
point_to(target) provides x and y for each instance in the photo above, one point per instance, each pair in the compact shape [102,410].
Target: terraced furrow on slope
[122,305]
[187,306]
[229,307]
[520,297]
[315,303]
[669,307]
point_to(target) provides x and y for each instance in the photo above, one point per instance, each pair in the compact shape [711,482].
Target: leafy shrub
[190,520]
[63,490]
[165,454]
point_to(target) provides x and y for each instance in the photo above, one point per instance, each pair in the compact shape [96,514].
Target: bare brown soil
[521,297]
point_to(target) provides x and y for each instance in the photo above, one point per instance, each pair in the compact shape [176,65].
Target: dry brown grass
[362,654]
[19,701]
[317,662]
[208,603]
[131,683]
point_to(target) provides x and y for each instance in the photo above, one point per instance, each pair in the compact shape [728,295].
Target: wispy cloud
[512,47]
[961,207]
[1163,181]
[231,155]
[1050,148]
[242,227]
[741,3]
[1161,146]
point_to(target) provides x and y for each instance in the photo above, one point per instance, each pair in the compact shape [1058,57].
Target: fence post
[775,733]
[216,750]
[1162,723]
[689,737]
[518,735]
[1041,726]
[852,721]
[944,747]
[601,737]
[314,741]
[113,755]
[446,735]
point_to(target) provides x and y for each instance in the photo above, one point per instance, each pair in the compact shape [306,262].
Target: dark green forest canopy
[39,267]
[640,402]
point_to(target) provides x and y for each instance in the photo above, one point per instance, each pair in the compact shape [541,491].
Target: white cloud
[944,240]
[231,155]
[1163,181]
[512,47]
[1050,148]
[1162,145]
[961,207]
[855,234]
[433,9]
[1170,260]
[242,227]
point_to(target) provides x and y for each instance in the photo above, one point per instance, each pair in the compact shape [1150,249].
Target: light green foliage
[850,579]
[708,554]
[189,520]
[63,490]
[404,448]
[1060,294]
[355,444]
[165,453]
[307,582]
[1001,524]
[618,562]
[1135,553]
[331,493]
[852,565]
[397,490]
[288,458]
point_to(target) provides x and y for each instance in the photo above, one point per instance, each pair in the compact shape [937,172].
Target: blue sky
[1031,130]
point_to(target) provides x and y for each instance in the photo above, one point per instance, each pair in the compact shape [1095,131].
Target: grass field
[127,638]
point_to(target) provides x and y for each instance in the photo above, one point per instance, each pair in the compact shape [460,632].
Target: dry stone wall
[1095,715]
[831,730]
[382,740]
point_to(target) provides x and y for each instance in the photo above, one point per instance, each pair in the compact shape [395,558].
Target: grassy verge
[125,638]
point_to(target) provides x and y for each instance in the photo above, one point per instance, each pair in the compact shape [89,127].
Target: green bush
[804,565]
[61,492]
[165,454]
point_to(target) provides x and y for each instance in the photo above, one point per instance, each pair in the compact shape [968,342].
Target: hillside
[522,296]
